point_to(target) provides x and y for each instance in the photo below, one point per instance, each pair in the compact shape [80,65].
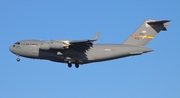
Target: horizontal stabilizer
[158,22]
[135,53]
[163,23]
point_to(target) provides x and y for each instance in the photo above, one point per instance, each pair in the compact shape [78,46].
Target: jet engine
[57,45]
[54,45]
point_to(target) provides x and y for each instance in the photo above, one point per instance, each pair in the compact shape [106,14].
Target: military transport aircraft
[84,51]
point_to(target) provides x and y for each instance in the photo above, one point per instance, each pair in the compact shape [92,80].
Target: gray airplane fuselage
[84,51]
[98,52]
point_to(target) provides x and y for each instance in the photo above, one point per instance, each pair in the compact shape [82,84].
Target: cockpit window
[17,43]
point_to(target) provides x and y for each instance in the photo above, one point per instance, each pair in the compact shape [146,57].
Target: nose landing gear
[18,59]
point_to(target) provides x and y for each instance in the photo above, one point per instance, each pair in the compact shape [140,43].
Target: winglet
[96,36]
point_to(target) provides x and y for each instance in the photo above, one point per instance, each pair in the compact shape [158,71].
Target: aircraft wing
[85,41]
[80,41]
[82,45]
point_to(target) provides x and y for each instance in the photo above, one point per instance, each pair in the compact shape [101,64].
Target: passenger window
[27,43]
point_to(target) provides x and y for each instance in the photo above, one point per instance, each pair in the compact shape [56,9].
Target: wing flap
[83,45]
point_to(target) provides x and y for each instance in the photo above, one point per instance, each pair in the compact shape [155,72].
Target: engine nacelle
[53,45]
[57,45]
[45,46]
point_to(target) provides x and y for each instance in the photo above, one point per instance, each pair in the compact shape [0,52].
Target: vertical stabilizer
[146,32]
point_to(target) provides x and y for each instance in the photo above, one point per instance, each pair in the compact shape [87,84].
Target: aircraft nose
[11,48]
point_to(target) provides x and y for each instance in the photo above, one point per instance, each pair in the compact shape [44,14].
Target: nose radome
[10,48]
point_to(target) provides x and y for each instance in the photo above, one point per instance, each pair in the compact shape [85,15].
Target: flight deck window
[17,43]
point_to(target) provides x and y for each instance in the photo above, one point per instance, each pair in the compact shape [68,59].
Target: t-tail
[146,32]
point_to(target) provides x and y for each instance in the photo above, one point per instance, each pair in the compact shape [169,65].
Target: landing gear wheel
[69,65]
[18,59]
[77,64]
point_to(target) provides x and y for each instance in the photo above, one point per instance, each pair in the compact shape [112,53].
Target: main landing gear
[76,64]
[69,64]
